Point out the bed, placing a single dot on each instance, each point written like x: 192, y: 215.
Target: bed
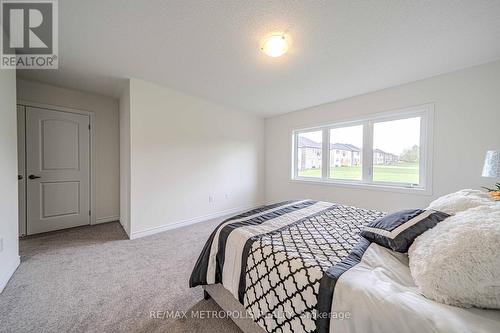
x: 301, y: 266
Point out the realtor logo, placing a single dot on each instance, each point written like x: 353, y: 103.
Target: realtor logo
x: 29, y: 38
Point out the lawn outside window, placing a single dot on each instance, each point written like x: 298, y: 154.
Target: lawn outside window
x: 390, y: 150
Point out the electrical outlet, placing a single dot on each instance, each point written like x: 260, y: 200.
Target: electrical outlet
x: 1, y: 244
x: 211, y: 199
x: 226, y: 196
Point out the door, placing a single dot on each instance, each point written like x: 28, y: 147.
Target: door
x: 57, y: 170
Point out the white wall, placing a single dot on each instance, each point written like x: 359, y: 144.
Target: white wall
x: 185, y: 149
x: 466, y: 124
x: 9, y: 254
x: 124, y: 107
x: 106, y: 138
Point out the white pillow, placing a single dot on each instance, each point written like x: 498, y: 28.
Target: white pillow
x: 458, y: 261
x: 459, y: 201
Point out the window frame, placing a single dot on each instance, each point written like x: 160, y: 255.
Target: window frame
x: 426, y: 114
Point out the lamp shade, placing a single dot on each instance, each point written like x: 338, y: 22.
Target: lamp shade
x: 491, y: 166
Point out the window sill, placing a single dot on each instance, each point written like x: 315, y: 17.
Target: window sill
x: 364, y: 186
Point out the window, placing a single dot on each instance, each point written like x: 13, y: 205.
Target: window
x: 346, y: 144
x: 309, y: 154
x: 396, y: 151
x: 388, y: 150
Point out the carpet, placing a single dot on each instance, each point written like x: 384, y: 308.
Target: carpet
x: 93, y: 279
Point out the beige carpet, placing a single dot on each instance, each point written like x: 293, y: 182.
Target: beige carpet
x: 93, y: 279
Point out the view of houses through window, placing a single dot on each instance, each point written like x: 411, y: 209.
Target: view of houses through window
x: 310, y: 154
x: 346, y: 144
x: 395, y: 152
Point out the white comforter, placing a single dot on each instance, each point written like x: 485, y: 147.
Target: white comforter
x: 380, y: 296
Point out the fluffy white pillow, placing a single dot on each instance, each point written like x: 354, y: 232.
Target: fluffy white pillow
x: 458, y: 261
x: 459, y: 201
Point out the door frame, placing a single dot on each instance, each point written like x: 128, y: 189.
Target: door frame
x: 91, y: 115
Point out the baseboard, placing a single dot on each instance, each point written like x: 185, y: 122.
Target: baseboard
x: 8, y: 272
x: 183, y: 223
x: 107, y: 219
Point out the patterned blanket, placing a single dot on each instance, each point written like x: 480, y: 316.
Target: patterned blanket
x: 282, y: 261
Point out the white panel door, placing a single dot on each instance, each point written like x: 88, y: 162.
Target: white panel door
x: 58, y: 170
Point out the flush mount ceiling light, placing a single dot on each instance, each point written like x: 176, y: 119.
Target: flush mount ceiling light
x: 275, y: 45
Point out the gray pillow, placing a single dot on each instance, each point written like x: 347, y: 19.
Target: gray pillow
x: 398, y: 230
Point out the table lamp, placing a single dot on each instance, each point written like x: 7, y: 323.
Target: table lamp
x: 491, y: 169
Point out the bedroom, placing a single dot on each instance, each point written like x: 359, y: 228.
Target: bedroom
x: 228, y: 166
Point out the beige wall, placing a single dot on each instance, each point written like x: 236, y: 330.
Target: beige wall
x: 185, y: 150
x: 9, y: 254
x: 106, y: 137
x: 466, y: 124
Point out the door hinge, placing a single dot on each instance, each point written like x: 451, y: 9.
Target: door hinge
x: 89, y: 213
x: 89, y: 127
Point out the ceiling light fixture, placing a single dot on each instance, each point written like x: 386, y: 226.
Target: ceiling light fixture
x: 275, y: 45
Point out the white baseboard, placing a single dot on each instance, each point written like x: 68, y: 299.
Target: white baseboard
x: 183, y: 223
x: 8, y: 272
x: 107, y: 219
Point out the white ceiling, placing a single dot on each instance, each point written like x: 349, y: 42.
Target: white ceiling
x: 211, y: 48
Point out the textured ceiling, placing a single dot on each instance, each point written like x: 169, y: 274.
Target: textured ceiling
x: 211, y: 48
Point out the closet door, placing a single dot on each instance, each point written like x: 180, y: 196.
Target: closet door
x: 57, y: 169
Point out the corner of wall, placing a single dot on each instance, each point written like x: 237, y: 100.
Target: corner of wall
x: 125, y: 226
x: 125, y: 174
x: 8, y: 271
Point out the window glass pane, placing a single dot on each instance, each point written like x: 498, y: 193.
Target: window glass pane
x: 346, y: 145
x: 309, y: 155
x: 396, y: 151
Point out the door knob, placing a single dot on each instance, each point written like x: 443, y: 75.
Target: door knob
x: 33, y: 177
x: 19, y: 177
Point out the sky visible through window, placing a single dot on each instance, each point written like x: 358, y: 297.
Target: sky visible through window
x: 397, y: 135
x: 315, y: 136
x: 352, y: 135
